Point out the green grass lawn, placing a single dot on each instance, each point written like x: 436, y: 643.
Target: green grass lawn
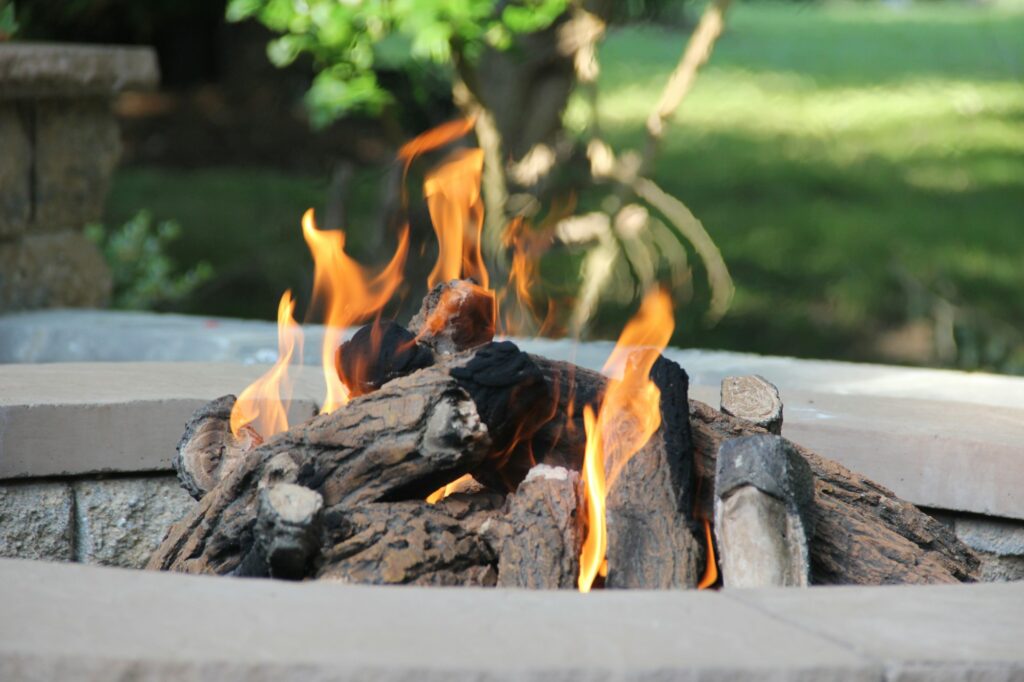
x: 860, y: 167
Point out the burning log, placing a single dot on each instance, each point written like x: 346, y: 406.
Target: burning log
x: 400, y: 442
x: 863, y: 533
x: 763, y: 496
x: 411, y: 543
x: 456, y: 315
x: 651, y: 543
x: 754, y: 399
x: 538, y: 539
x: 208, y: 451
x: 378, y: 353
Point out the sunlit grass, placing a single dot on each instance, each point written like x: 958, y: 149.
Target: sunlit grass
x: 829, y: 150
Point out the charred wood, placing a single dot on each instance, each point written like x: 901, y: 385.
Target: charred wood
x: 651, y: 539
x: 456, y: 316
x: 378, y: 353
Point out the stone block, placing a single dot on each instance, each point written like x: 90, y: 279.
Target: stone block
x: 15, y: 172
x: 120, y: 521
x: 30, y: 70
x: 77, y: 145
x: 58, y: 270
x: 104, y: 623
x: 36, y: 521
x: 1001, y: 537
x: 71, y: 419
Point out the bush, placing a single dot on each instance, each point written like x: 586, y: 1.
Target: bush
x: 145, y: 277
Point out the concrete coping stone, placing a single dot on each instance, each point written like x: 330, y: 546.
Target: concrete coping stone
x: 93, y: 622
x: 84, y: 418
x: 34, y: 70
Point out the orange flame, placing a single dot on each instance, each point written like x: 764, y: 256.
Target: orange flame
x: 628, y: 417
x: 711, y: 566
x: 263, y: 405
x: 456, y: 209
x: 446, y: 490
x: 434, y: 138
x: 348, y: 294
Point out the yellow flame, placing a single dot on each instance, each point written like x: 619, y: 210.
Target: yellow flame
x: 348, y: 294
x: 452, y: 191
x: 596, y: 544
x: 628, y: 416
x: 263, y: 405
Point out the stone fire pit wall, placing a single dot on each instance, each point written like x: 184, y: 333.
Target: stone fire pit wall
x: 59, y: 145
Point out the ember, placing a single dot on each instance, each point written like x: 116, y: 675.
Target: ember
x: 443, y: 457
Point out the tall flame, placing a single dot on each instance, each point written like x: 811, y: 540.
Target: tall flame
x: 263, y: 405
x: 348, y: 294
x: 452, y: 191
x: 627, y: 418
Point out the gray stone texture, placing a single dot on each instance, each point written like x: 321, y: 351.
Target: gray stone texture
x: 34, y: 70
x: 15, y: 171
x: 52, y: 270
x: 86, y: 622
x: 77, y: 146
x: 940, y: 632
x: 120, y: 521
x: 36, y: 521
x: 72, y: 419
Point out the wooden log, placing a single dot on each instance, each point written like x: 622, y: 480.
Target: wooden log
x: 651, y: 539
x: 287, y: 533
x: 400, y: 442
x: 208, y: 451
x: 376, y: 354
x: 410, y: 543
x: 538, y: 539
x: 763, y: 496
x: 754, y: 399
x: 863, y: 534
x: 456, y: 316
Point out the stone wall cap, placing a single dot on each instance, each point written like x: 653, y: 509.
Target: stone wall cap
x: 29, y: 70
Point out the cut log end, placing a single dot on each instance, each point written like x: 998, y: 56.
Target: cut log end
x: 754, y: 399
x: 208, y: 452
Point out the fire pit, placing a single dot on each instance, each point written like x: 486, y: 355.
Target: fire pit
x: 443, y: 457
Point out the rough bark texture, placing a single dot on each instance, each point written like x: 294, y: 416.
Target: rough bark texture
x: 411, y: 543
x: 208, y: 451
x: 651, y: 541
x: 538, y: 539
x: 863, y: 533
x: 401, y: 442
x: 755, y: 399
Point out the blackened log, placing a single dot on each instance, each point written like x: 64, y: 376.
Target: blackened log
x: 410, y: 543
x: 456, y: 316
x: 539, y: 537
x: 376, y: 354
x: 753, y: 398
x: 652, y: 542
x: 513, y: 400
x: 287, y: 531
x: 863, y: 533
